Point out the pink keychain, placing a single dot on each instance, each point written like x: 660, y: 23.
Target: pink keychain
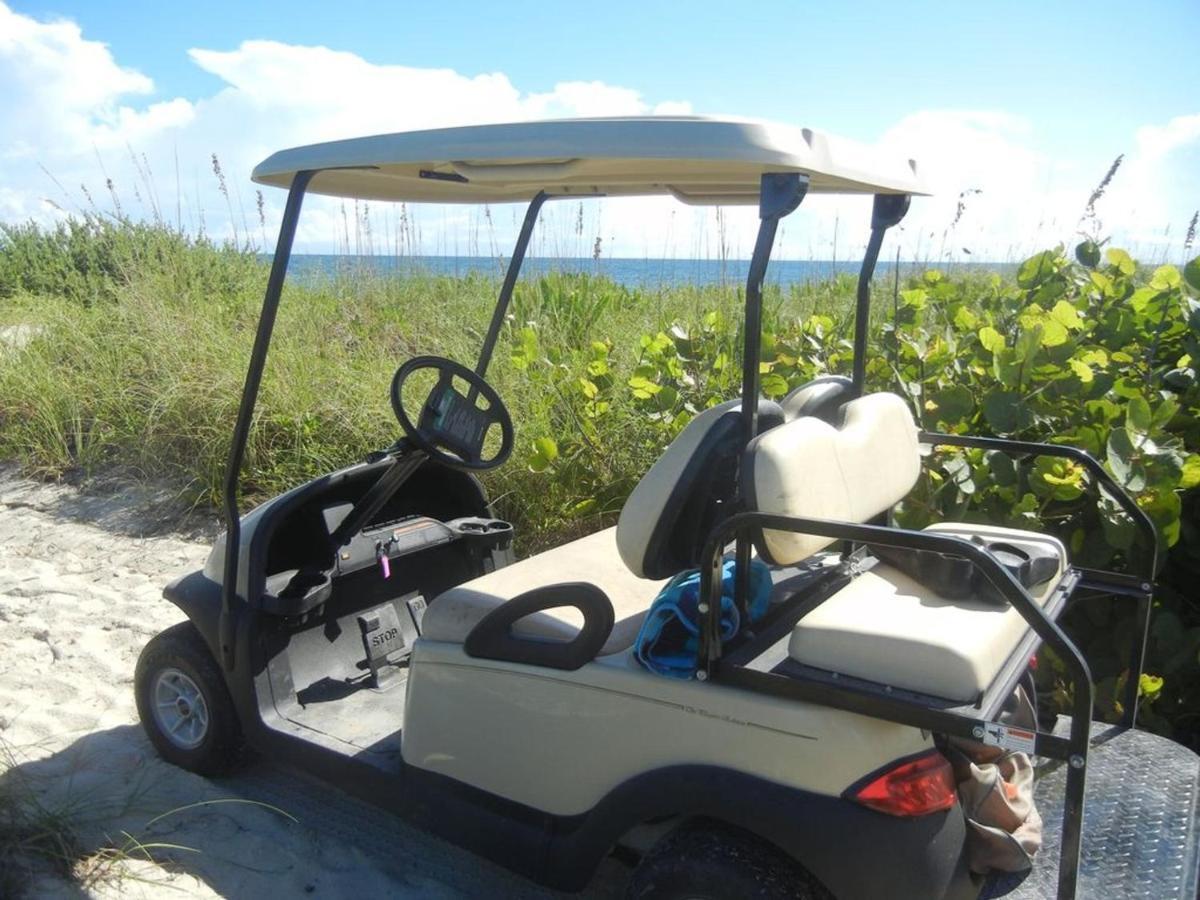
x: 386, y: 565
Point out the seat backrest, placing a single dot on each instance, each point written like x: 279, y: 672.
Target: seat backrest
x: 812, y: 469
x: 687, y: 491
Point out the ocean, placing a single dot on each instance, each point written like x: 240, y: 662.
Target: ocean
x: 633, y: 273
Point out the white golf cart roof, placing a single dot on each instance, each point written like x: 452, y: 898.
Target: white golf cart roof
x: 695, y: 159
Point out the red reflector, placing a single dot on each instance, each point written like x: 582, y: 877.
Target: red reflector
x: 915, y: 788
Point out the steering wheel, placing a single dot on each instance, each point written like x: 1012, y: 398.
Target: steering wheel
x: 452, y: 428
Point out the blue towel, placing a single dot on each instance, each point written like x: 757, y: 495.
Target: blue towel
x: 669, y: 640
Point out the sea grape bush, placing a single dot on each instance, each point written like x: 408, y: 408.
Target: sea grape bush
x: 1089, y: 350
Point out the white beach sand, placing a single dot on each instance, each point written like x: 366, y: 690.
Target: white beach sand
x: 80, y: 593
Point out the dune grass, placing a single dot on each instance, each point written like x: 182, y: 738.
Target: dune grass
x: 139, y: 368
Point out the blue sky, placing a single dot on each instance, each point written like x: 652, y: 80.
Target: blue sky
x: 1029, y: 102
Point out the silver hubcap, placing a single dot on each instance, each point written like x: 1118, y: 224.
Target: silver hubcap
x: 179, y: 709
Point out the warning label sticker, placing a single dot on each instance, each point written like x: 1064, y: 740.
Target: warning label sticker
x: 1009, y: 738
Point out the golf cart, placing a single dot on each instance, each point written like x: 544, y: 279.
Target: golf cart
x: 373, y: 627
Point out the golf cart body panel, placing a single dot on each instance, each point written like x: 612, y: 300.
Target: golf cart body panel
x: 692, y: 158
x: 611, y: 720
x: 366, y: 627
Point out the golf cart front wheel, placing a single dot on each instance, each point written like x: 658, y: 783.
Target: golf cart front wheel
x: 184, y: 704
x: 710, y: 861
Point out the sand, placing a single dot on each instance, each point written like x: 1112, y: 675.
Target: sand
x: 81, y: 576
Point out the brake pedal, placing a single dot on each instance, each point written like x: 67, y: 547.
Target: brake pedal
x: 385, y: 632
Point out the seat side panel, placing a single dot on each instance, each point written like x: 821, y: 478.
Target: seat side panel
x: 560, y: 741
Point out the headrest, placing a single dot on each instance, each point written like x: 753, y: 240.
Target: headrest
x: 687, y: 491
x: 811, y: 469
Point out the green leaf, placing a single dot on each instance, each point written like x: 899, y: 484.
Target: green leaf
x: 1028, y: 343
x: 1036, y: 269
x: 1004, y: 470
x: 1138, y: 417
x: 774, y: 385
x: 1165, y: 278
x: 1142, y: 298
x: 992, y: 340
x: 1124, y: 460
x: 954, y: 404
x: 545, y: 451
x: 1066, y: 315
x: 1054, y: 334
x: 1120, y: 260
x: 1082, y: 370
x: 643, y: 388
x: 1149, y: 686
x: 1164, y: 413
x: 1191, y: 472
x: 1058, y: 478
x: 1006, y: 412
x: 959, y: 471
x: 583, y: 507
x: 1191, y: 273
x: 1088, y: 254
x: 964, y: 319
x: 1007, y: 368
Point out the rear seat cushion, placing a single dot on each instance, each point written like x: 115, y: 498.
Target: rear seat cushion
x: 593, y: 559
x: 811, y: 469
x: 887, y: 628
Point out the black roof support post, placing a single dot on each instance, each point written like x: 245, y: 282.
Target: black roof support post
x: 780, y: 193
x: 888, y: 210
x: 241, y: 431
x: 510, y: 281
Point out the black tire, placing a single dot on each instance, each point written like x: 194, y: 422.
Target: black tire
x: 711, y: 861
x: 180, y: 649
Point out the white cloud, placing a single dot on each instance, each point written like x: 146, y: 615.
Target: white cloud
x: 70, y: 108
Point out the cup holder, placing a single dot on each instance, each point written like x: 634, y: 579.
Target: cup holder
x: 489, y: 533
x: 295, y: 592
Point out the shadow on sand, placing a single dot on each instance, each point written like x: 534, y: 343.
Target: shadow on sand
x: 265, y: 831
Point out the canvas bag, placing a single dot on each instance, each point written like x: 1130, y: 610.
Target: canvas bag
x: 995, y: 789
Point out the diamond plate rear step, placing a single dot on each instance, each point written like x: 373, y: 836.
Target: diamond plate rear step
x: 1140, y: 826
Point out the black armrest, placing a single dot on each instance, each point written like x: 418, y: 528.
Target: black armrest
x: 492, y: 637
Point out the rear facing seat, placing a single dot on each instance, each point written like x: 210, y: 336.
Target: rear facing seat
x: 883, y: 626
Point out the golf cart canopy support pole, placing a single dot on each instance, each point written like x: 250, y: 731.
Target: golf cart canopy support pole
x: 241, y: 431
x: 779, y: 195
x: 510, y: 281
x: 888, y: 210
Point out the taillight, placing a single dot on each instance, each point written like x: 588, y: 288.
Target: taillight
x: 916, y: 787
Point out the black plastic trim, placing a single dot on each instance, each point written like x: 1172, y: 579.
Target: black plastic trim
x: 492, y: 637
x: 829, y: 836
x: 199, y: 598
x: 827, y: 405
